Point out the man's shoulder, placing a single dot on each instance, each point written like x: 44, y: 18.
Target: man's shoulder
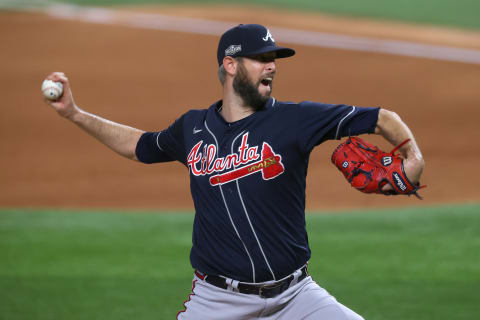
x: 196, y: 112
x: 295, y: 105
x: 292, y: 104
x: 193, y: 117
x: 200, y: 112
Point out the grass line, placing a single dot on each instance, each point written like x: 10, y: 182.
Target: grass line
x: 459, y: 13
x: 414, y: 263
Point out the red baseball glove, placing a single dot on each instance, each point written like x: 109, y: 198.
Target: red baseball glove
x: 369, y: 169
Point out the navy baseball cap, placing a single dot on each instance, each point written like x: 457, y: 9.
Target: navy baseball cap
x: 249, y: 39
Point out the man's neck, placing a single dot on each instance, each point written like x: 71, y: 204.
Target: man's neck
x: 233, y: 108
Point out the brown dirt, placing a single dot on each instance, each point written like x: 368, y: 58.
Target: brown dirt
x: 146, y: 78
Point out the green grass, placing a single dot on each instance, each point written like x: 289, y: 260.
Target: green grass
x: 456, y: 13
x: 399, y: 264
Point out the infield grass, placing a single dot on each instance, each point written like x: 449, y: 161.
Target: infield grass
x: 418, y: 263
x: 454, y: 13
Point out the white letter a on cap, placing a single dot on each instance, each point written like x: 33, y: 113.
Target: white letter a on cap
x: 269, y: 35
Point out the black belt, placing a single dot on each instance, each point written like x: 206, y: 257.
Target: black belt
x: 264, y: 291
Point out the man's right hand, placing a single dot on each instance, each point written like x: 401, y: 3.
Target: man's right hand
x: 65, y: 106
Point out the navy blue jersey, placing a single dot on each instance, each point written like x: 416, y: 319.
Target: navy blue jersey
x: 247, y: 180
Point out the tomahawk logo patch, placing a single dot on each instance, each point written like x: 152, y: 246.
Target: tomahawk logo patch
x: 238, y: 165
x: 399, y: 181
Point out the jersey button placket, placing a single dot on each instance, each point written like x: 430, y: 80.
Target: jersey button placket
x: 231, y: 197
x: 224, y: 147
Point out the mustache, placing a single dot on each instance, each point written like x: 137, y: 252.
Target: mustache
x: 269, y: 75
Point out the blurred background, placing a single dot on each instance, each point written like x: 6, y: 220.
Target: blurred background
x: 144, y: 63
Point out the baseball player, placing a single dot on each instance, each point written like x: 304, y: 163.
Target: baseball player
x: 247, y: 156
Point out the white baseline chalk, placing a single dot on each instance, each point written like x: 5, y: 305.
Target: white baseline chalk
x: 308, y: 38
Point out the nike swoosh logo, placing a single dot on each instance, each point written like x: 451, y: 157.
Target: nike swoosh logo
x: 195, y: 130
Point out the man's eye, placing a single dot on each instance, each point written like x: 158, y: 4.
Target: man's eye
x: 265, y: 59
x: 262, y: 58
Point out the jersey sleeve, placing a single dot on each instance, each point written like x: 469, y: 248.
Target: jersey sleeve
x: 320, y: 122
x: 162, y: 146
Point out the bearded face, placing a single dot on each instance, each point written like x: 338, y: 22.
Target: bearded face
x: 248, y: 90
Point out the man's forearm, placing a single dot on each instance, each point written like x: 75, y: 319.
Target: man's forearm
x: 394, y: 130
x: 120, y: 138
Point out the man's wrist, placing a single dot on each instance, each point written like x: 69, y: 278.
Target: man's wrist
x: 413, y: 168
x: 75, y: 115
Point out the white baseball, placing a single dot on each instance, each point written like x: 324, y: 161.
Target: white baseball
x: 52, y: 90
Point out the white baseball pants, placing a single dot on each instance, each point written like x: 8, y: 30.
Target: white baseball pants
x: 305, y: 300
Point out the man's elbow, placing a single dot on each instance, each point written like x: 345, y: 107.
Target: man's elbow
x: 385, y: 119
x: 414, y: 168
x: 132, y: 157
x: 132, y: 149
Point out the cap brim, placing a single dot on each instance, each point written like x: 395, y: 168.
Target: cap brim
x: 280, y: 51
x: 285, y: 52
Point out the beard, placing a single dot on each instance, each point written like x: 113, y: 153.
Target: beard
x: 248, y: 90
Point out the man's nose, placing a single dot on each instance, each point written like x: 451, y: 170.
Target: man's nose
x: 270, y: 66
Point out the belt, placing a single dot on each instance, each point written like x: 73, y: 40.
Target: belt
x: 265, y: 291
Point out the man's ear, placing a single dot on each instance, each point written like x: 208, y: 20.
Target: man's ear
x: 230, y: 65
